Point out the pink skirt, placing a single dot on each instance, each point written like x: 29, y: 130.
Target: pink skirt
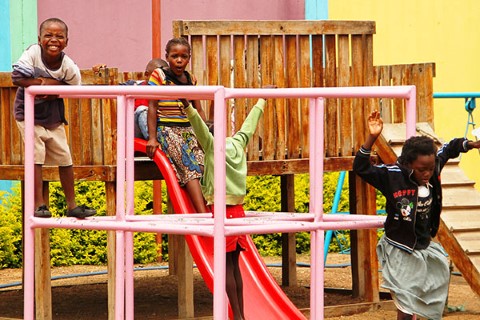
x: 234, y: 211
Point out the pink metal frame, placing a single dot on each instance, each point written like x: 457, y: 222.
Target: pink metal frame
x: 124, y: 223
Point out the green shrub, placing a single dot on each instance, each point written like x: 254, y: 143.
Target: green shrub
x: 73, y: 246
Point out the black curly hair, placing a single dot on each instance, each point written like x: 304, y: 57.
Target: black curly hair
x: 177, y: 41
x: 416, y: 146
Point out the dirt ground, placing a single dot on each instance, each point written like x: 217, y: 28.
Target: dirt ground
x: 84, y: 296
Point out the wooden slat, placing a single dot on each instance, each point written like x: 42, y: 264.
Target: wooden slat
x: 240, y: 77
x: 359, y: 114
x: 269, y: 137
x: 386, y: 103
x: 293, y: 115
x: 345, y: 125
x: 305, y: 82
x: 331, y: 113
x: 253, y: 81
x: 279, y: 105
x: 289, y: 27
x: 317, y: 62
x: 461, y: 219
x: 398, y: 104
x: 86, y: 142
x: 225, y: 72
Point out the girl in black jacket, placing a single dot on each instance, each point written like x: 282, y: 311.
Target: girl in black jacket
x: 414, y: 268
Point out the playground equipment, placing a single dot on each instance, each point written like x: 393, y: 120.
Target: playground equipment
x: 314, y: 222
x: 341, y: 55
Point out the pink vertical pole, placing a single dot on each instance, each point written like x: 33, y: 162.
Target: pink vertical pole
x: 29, y: 245
x: 313, y: 201
x: 320, y: 112
x: 120, y: 211
x: 219, y: 260
x: 411, y: 111
x: 129, y: 274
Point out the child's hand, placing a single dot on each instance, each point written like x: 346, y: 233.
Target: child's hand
x: 474, y: 144
x: 152, y: 146
x: 375, y: 123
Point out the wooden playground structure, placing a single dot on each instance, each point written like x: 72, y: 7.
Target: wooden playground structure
x: 248, y: 54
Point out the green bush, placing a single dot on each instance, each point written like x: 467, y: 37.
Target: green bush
x: 73, y: 246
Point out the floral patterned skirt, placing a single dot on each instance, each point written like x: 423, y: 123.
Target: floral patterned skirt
x: 182, y: 149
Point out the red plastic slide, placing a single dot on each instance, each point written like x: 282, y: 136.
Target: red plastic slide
x: 263, y: 297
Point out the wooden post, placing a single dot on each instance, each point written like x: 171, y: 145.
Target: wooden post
x: 43, y: 287
x: 185, y: 279
x: 110, y: 191
x: 289, y: 254
x: 157, y: 209
x: 363, y: 242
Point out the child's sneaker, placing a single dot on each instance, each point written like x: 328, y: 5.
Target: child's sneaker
x: 42, y: 212
x: 81, y: 212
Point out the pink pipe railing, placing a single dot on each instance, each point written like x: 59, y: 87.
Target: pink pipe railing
x: 124, y: 222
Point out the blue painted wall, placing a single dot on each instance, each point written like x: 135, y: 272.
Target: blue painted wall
x: 5, y: 41
x: 316, y: 9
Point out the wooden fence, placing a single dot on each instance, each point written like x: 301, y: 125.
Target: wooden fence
x: 300, y: 54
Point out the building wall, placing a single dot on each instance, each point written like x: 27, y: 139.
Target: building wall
x: 440, y: 31
x: 118, y: 33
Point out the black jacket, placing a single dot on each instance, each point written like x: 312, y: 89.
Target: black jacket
x: 395, y: 182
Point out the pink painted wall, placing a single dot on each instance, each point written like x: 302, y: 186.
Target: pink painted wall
x: 118, y: 32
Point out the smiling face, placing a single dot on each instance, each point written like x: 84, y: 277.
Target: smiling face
x: 53, y: 39
x: 178, y: 57
x: 423, y: 168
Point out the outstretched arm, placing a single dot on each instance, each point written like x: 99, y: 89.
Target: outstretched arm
x: 375, y: 126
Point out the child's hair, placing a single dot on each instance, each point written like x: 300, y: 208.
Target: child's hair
x: 54, y: 20
x: 177, y: 41
x: 416, y: 146
x: 154, y: 64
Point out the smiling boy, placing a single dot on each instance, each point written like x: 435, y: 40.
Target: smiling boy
x: 45, y: 63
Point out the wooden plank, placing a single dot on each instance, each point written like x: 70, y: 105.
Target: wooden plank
x: 398, y: 104
x: 461, y: 219
x: 289, y: 257
x: 465, y: 197
x: 469, y: 241
x: 359, y: 114
x: 279, y: 107
x: 265, y: 27
x: 385, y: 103
x: 293, y: 114
x: 212, y: 60
x: 197, y: 68
x: 225, y: 72
x: 240, y: 78
x: 305, y: 82
x: 345, y: 107
x: 268, y: 123
x: 331, y: 112
x: 87, y: 142
x: 295, y: 166
x: 252, y: 81
x: 317, y: 61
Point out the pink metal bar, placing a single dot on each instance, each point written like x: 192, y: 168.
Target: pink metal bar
x: 29, y: 255
x: 315, y: 222
x: 220, y: 309
x: 411, y: 112
x: 130, y: 204
x: 404, y: 92
x: 120, y: 210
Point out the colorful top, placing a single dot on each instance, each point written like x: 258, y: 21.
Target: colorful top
x: 48, y: 113
x: 170, y: 112
x: 236, y: 158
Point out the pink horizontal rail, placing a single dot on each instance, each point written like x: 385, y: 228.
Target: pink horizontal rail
x: 123, y: 225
